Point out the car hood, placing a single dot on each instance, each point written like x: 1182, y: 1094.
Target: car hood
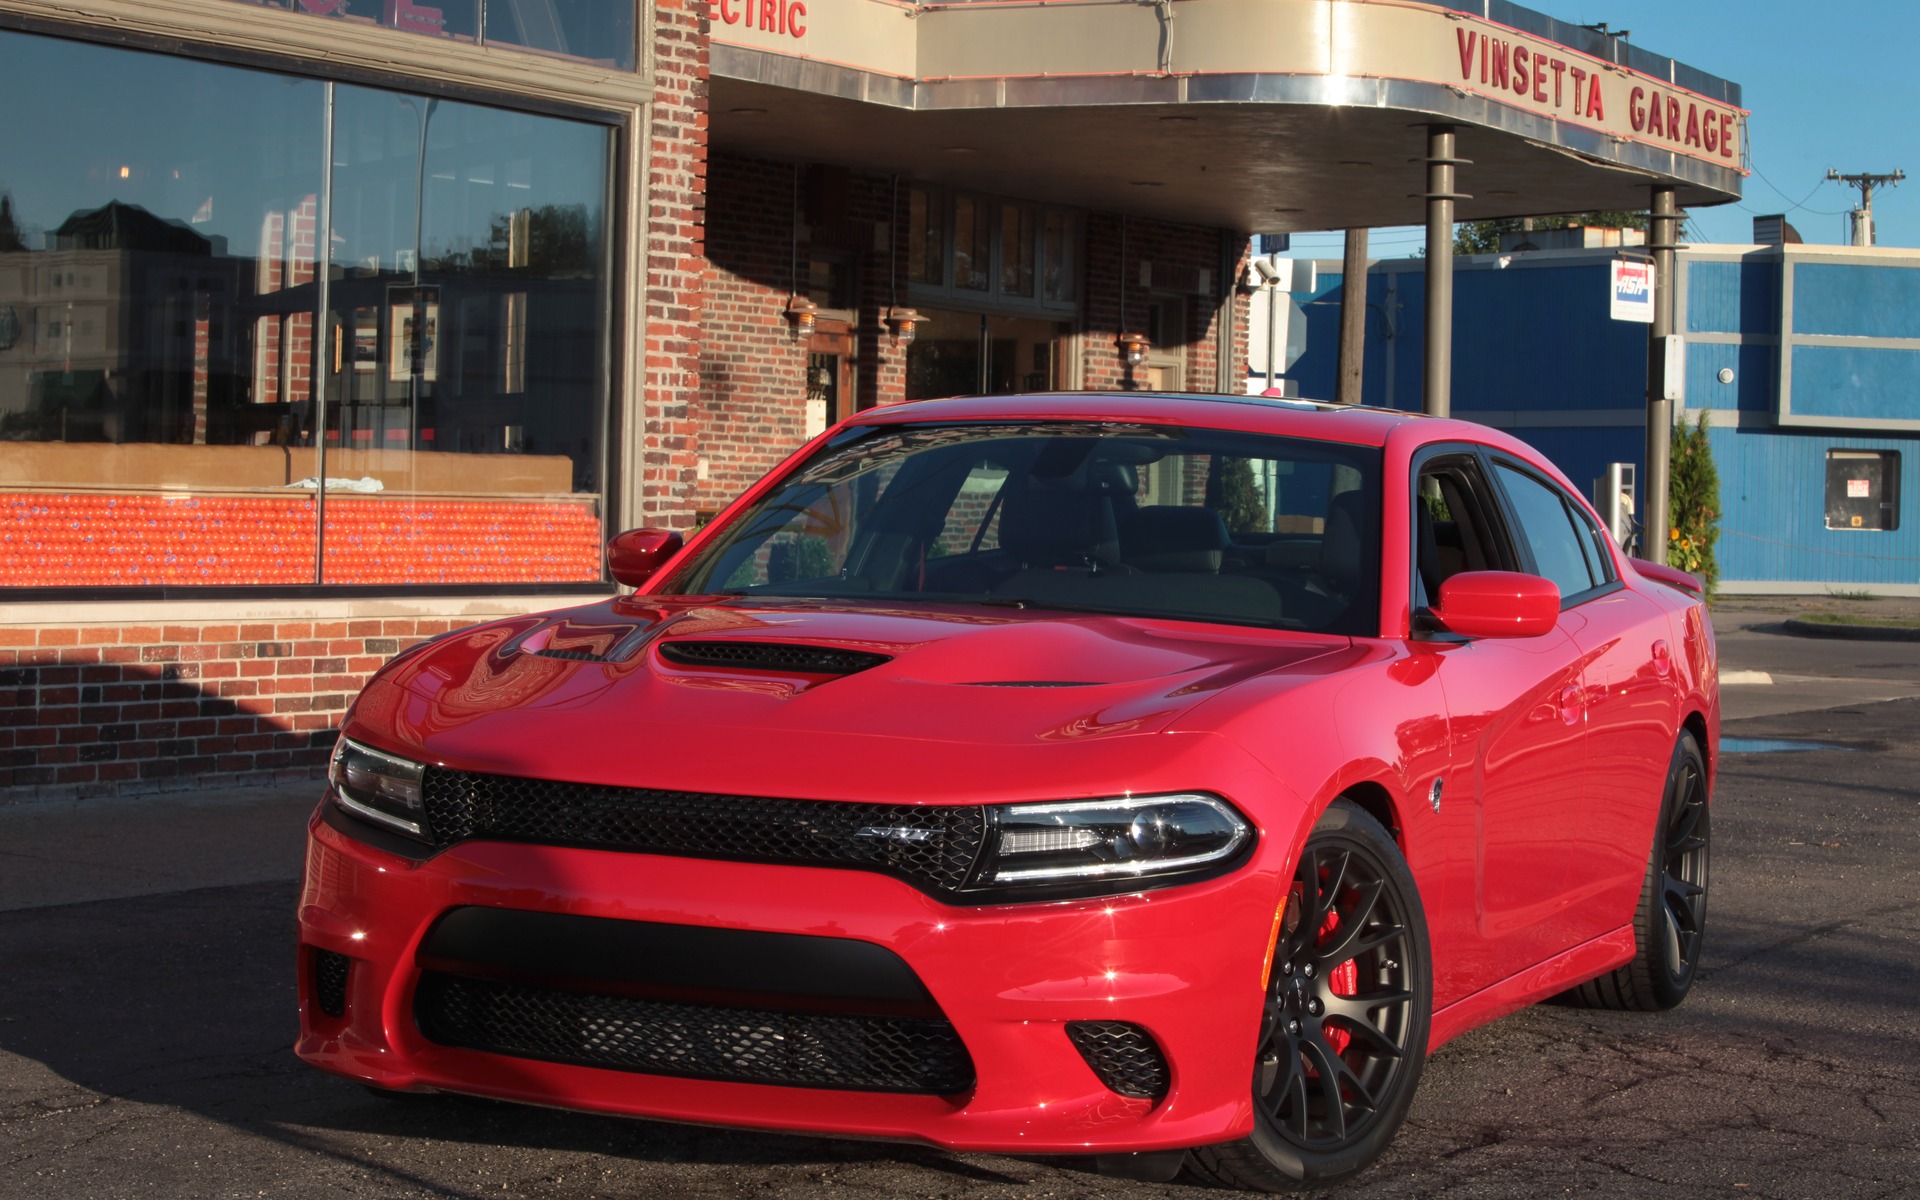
x: 587, y: 693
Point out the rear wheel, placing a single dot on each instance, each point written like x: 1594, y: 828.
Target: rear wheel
x: 1671, y: 920
x: 1343, y: 1035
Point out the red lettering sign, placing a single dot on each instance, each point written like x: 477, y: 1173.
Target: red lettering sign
x: 1515, y: 67
x: 795, y: 11
x: 727, y: 14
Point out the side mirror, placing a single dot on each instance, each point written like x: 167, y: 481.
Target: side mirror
x: 633, y: 556
x: 1498, y: 604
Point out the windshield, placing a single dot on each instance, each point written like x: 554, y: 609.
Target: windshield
x: 1140, y: 520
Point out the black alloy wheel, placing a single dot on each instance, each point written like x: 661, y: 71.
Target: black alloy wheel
x: 1671, y: 922
x: 1343, y: 1035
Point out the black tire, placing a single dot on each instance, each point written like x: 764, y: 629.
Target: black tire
x: 1670, y: 923
x: 1343, y: 1037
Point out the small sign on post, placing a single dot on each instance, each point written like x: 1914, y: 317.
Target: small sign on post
x: 1631, y: 283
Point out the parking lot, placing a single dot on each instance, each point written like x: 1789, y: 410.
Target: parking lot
x: 146, y: 1009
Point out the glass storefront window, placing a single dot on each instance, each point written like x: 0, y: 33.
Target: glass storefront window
x: 959, y: 353
x: 204, y: 390
x: 971, y: 249
x: 1058, y: 255
x: 926, y: 237
x: 1016, y: 251
x: 972, y: 244
x: 596, y: 30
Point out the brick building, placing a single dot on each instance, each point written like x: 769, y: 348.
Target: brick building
x: 598, y: 264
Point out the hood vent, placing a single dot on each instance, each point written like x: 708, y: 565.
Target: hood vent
x: 770, y: 656
x: 571, y: 655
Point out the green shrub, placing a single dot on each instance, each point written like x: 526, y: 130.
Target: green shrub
x: 1693, y: 503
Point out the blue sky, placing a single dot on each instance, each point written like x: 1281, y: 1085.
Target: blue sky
x: 1833, y: 84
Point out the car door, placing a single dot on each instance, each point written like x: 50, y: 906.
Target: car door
x: 1629, y: 698
x: 1518, y: 747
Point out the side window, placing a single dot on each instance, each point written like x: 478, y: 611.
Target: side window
x: 1454, y: 530
x: 1548, y: 528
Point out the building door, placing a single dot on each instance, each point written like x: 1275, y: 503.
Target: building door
x: 830, y: 391
x: 1165, y: 369
x: 962, y: 353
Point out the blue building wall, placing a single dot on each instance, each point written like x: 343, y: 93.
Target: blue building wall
x: 1846, y: 324
x: 1537, y: 353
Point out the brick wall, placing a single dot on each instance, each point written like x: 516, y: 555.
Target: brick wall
x: 99, y: 710
x: 671, y: 321
x: 751, y: 410
x: 1117, y: 299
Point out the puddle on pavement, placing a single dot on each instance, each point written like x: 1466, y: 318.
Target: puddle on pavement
x: 1734, y: 745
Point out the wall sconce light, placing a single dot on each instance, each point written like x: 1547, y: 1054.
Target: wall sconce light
x: 902, y: 321
x: 1133, y: 348
x: 802, y: 312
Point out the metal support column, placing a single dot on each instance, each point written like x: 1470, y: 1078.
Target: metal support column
x: 1662, y: 238
x: 1353, y: 316
x: 1437, y: 390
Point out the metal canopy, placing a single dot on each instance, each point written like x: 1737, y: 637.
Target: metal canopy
x: 1254, y: 167
x: 1256, y: 115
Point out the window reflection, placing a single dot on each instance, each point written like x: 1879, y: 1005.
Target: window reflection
x: 596, y: 30
x: 972, y: 244
x: 165, y: 347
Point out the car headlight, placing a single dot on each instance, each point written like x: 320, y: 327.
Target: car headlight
x: 378, y: 787
x: 1090, y: 846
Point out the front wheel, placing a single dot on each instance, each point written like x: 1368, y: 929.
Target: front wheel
x: 1343, y: 1035
x: 1671, y: 920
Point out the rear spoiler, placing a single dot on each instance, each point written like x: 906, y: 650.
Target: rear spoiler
x: 1671, y: 576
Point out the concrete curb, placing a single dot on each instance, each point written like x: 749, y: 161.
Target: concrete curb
x: 1859, y: 633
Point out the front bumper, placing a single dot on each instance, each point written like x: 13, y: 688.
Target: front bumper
x: 1183, y: 964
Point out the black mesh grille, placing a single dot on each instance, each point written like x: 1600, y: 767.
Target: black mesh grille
x: 629, y: 1033
x: 932, y: 847
x: 330, y: 982
x: 770, y: 656
x: 1124, y: 1056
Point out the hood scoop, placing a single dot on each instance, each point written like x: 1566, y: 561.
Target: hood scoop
x: 771, y: 656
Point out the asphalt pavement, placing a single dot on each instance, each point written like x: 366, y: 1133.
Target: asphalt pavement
x: 147, y: 1007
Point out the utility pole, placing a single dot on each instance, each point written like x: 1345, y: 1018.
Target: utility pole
x: 1860, y: 220
x: 1663, y: 227
x: 1353, y: 316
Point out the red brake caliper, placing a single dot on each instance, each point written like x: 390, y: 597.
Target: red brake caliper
x: 1343, y: 980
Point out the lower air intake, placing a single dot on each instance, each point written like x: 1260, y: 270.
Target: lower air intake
x: 330, y: 982
x: 699, y: 1041
x: 1124, y: 1056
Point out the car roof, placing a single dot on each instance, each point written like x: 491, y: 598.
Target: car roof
x: 1256, y: 414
